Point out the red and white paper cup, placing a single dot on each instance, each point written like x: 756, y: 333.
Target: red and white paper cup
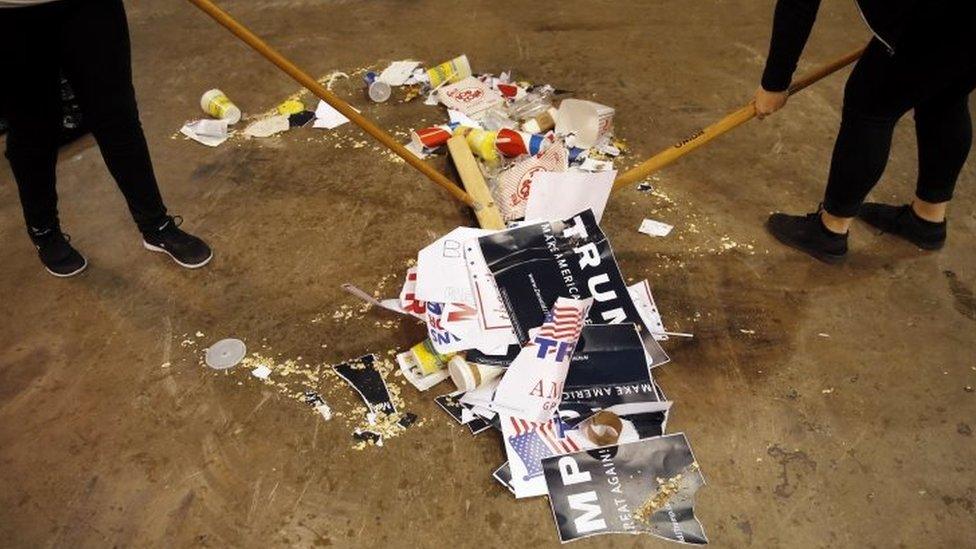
x: 433, y: 137
x: 512, y: 143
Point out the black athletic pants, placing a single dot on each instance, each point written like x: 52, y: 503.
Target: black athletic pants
x: 930, y: 74
x: 89, y: 41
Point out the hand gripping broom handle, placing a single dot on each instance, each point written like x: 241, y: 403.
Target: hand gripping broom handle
x: 319, y: 90
x: 730, y: 122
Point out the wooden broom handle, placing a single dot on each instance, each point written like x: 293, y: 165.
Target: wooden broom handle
x: 324, y: 94
x: 730, y: 122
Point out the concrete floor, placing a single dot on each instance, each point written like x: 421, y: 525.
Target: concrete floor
x: 828, y: 406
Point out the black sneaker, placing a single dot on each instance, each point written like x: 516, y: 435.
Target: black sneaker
x: 904, y: 222
x: 808, y: 234
x: 185, y: 249
x: 58, y: 256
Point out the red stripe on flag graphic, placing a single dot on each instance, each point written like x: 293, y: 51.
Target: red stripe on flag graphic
x: 548, y: 433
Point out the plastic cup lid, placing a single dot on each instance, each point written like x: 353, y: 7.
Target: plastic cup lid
x: 380, y: 91
x: 226, y: 353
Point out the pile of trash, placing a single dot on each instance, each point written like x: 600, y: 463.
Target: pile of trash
x: 520, y: 133
x: 534, y: 325
x: 547, y: 345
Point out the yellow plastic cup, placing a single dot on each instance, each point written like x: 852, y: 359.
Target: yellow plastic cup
x: 216, y: 104
x: 428, y: 358
x: 455, y: 70
x: 482, y: 144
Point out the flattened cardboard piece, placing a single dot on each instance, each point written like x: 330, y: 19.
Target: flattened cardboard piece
x: 534, y: 264
x: 504, y: 476
x: 640, y: 292
x: 477, y: 320
x: 442, y: 274
x: 526, y: 444
x: 609, y: 372
x: 639, y: 487
x: 532, y: 386
x: 367, y: 381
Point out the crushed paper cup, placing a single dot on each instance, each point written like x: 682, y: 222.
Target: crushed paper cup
x: 433, y: 137
x: 469, y: 376
x: 513, y: 143
x: 587, y: 121
x: 602, y: 428
x: 481, y: 142
x: 510, y: 91
x: 427, y: 359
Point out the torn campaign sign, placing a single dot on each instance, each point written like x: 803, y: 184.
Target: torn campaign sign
x: 609, y: 372
x: 526, y: 444
x: 534, y: 264
x: 367, y: 381
x: 532, y: 387
x: 442, y: 275
x: 639, y: 487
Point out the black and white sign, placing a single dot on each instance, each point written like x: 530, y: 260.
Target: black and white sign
x: 646, y: 486
x: 608, y: 372
x: 535, y: 264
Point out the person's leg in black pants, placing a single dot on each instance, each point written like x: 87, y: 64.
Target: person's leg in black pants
x: 94, y: 49
x: 944, y: 132
x: 32, y: 101
x: 881, y: 89
x: 89, y: 39
x: 878, y: 93
x: 32, y: 96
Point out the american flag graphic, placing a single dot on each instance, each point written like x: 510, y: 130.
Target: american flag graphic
x: 535, y: 441
x: 563, y: 322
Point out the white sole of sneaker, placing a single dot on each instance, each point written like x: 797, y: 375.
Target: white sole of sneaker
x: 152, y: 248
x: 72, y: 273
